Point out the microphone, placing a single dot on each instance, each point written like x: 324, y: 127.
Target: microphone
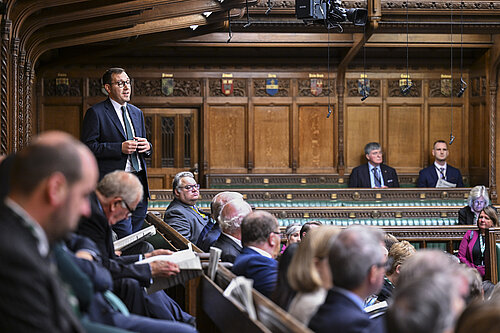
x: 329, y: 111
x: 463, y: 86
x: 452, y: 138
x: 365, y: 94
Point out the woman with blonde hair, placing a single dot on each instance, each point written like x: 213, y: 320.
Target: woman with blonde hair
x: 309, y: 273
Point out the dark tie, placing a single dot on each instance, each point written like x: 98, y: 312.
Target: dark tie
x: 441, y: 171
x: 130, y: 136
x: 376, y: 177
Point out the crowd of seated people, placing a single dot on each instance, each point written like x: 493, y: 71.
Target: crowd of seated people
x: 326, y: 277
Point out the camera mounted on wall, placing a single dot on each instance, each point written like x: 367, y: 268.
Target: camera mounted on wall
x: 329, y: 12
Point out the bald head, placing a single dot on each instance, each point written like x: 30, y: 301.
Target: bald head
x: 231, y: 216
x: 220, y: 199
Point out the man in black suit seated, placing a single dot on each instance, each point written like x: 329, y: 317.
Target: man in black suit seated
x: 373, y: 174
x: 429, y: 176
x: 50, y: 183
x: 182, y: 213
x: 230, y: 221
x: 358, y: 265
x: 115, y: 198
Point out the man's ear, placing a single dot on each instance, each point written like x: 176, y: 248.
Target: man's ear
x: 107, y: 87
x: 176, y: 192
x: 366, y: 155
x: 372, y: 274
x: 398, y: 267
x: 57, y: 188
x: 433, y: 154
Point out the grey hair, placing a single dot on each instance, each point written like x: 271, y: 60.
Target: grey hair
x: 232, y: 214
x: 353, y: 253
x: 476, y: 192
x: 220, y: 199
x: 424, y: 306
x: 372, y: 146
x: 121, y: 184
x: 178, y: 177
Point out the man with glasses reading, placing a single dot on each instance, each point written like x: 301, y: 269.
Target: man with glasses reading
x: 114, y: 131
x: 182, y: 213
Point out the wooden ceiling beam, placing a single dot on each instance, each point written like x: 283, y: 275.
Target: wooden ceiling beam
x: 140, y: 29
x: 158, y: 13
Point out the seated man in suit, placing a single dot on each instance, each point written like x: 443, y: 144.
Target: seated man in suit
x: 50, y: 183
x: 373, y: 174
x: 357, y: 263
x: 115, y: 198
x: 429, y: 176
x: 260, y: 235
x: 230, y: 221
x: 211, y: 232
x: 182, y: 213
x: 80, y: 266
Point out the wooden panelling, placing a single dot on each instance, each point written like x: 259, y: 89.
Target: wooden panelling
x: 404, y: 127
x: 227, y: 138
x: 478, y: 129
x: 272, y: 138
x: 66, y: 118
x: 362, y: 126
x: 439, y: 129
x: 316, y: 139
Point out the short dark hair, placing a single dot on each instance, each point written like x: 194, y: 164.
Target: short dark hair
x: 439, y: 141
x: 256, y: 227
x: 38, y: 161
x: 307, y: 226
x: 106, y: 77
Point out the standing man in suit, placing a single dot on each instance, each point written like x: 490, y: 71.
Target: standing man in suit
x: 357, y: 263
x: 373, y: 174
x: 260, y: 235
x: 50, y: 183
x: 114, y: 131
x: 230, y: 221
x: 429, y: 176
x: 182, y: 213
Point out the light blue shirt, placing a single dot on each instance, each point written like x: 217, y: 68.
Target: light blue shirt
x: 372, y: 177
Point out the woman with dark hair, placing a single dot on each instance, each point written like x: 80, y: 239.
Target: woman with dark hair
x: 283, y: 294
x: 473, y: 245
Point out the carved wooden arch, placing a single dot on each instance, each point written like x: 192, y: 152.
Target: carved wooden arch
x: 164, y: 19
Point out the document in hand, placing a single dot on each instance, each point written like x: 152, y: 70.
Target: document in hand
x: 189, y: 265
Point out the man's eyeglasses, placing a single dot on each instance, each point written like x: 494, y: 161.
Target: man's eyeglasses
x: 131, y: 211
x: 191, y: 187
x: 121, y: 84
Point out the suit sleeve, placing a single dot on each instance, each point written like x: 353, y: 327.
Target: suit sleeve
x: 421, y: 179
x: 353, y: 178
x: 460, y: 181
x: 396, y: 179
x: 143, y: 129
x: 177, y: 220
x: 119, y: 269
x: 462, y: 216
x: 91, y: 136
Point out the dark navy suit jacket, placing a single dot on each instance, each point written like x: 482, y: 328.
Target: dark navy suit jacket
x: 428, y: 177
x: 97, y: 228
x: 342, y: 315
x: 33, y: 298
x: 262, y: 270
x: 103, y: 133
x: 230, y: 250
x: 360, y: 176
